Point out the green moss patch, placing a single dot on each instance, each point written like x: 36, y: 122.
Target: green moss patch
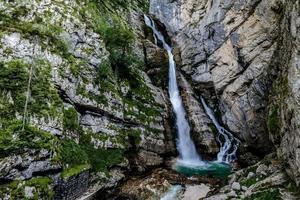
x: 73, y: 171
x: 273, y: 194
x: 44, y: 100
x: 15, y: 140
x: 70, y: 120
x: 77, y: 156
x: 101, y: 159
x: 72, y: 154
x: 41, y: 188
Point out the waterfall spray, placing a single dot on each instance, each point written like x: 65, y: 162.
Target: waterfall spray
x: 185, y: 145
x: 230, y: 145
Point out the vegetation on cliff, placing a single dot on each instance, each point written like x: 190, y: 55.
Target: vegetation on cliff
x: 52, y: 121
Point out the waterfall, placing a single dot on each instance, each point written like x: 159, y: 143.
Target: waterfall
x: 230, y: 144
x: 185, y: 145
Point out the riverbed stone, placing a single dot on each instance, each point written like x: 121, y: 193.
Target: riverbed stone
x: 236, y: 186
x: 195, y: 192
x: 262, y: 169
x: 251, y: 175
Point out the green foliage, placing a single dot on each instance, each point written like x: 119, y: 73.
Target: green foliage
x: 146, y: 114
x: 112, y: 6
x: 42, y: 187
x: 14, y: 140
x: 13, y: 78
x: 292, y: 187
x: 101, y: 159
x: 273, y: 194
x: 131, y: 135
x: 20, y: 11
x: 104, y: 71
x: 72, y: 154
x: 43, y: 92
x: 118, y: 38
x: 70, y: 120
x: 73, y: 171
x: 44, y: 31
x: 76, y: 157
x: 16, y: 189
x: 251, y: 181
x: 116, y: 35
x: 135, y: 135
x: 100, y: 98
x: 44, y: 99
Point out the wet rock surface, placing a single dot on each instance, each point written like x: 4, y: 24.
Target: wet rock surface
x: 202, y: 133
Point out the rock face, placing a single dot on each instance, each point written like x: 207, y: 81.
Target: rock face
x: 226, y: 50
x: 284, y: 108
x: 80, y: 69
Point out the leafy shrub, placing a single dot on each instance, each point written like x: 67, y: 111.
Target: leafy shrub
x: 72, y: 154
x: 44, y: 99
x: 15, y: 140
x: 100, y: 159
x: 13, y: 77
x: 70, y: 121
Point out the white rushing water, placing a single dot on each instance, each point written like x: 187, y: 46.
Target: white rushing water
x: 185, y: 145
x: 229, y: 144
x: 172, y: 193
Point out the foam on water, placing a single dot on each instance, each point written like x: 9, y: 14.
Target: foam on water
x: 229, y: 144
x: 172, y: 193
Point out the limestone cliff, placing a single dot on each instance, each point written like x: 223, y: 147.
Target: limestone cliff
x: 226, y: 49
x: 75, y: 98
x: 283, y: 110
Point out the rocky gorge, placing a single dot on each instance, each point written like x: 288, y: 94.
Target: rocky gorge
x: 84, y: 105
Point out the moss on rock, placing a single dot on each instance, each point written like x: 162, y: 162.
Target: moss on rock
x: 15, y: 140
x: 41, y: 188
x: 273, y: 194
